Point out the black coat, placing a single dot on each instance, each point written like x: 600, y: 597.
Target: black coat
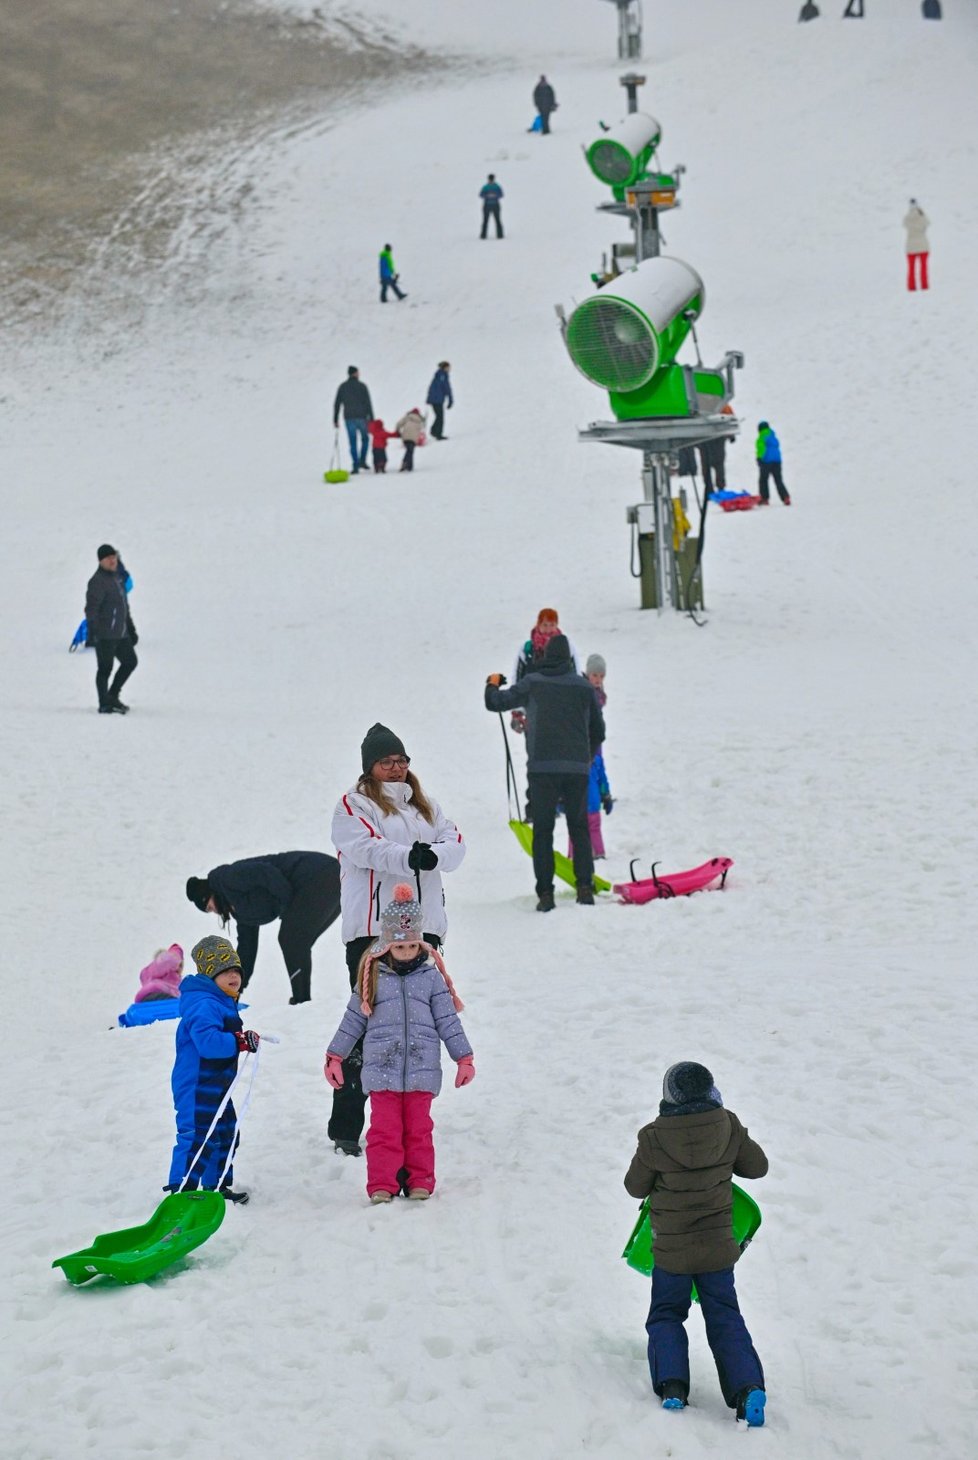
x: 259, y: 889
x: 543, y: 97
x: 564, y: 723
x: 354, y: 397
x: 106, y: 607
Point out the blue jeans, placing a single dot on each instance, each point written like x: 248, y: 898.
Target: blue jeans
x: 738, y: 1366
x: 355, y: 429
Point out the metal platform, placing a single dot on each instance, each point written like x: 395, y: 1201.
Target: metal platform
x: 666, y: 435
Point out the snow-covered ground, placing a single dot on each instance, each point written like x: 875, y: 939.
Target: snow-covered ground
x: 820, y: 730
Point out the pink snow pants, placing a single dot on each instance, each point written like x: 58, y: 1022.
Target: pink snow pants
x: 597, y: 840
x: 400, y: 1136
x: 912, y: 259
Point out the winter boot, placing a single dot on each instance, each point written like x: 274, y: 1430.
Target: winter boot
x: 585, y: 894
x: 418, y: 1193
x: 379, y: 1197
x: 545, y: 902
x: 111, y: 708
x: 238, y: 1197
x: 750, y: 1406
x: 674, y: 1393
x: 347, y: 1148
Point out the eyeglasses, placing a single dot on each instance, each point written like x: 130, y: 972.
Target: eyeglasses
x: 390, y: 761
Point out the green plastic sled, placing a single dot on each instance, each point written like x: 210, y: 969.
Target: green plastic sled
x: 563, y: 866
x: 639, y: 1253
x: 181, y: 1222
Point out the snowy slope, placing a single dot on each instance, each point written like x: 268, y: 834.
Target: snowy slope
x: 820, y: 730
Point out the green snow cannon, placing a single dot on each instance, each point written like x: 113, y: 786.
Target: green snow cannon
x: 626, y: 336
x: 621, y: 155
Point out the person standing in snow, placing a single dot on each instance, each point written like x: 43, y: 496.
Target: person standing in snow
x: 410, y: 428
x: 564, y: 732
x: 388, y: 274
x: 384, y: 830
x: 767, y: 449
x: 684, y: 1164
x: 531, y: 657
x: 354, y: 399
x: 209, y: 1038
x: 545, y: 102
x: 379, y: 437
x: 916, y: 222
x: 301, y: 888
x: 110, y: 630
x: 599, y: 797
x: 403, y: 1008
x: 439, y: 396
x: 492, y: 196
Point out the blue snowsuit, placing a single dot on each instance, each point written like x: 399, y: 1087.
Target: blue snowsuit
x: 206, y: 1063
x: 597, y: 786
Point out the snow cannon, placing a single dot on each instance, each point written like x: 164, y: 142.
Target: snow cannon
x: 621, y: 155
x: 625, y: 338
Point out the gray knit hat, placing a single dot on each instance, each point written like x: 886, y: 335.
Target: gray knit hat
x: 402, y: 919
x: 688, y: 1081
x: 214, y: 955
x: 595, y: 664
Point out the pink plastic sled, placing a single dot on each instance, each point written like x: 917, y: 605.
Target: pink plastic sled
x: 678, y: 884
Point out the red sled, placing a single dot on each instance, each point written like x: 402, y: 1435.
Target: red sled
x: 740, y: 504
x: 678, y: 884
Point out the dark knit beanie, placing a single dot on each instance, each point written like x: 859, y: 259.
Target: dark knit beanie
x: 558, y: 649
x: 199, y: 892
x: 687, y: 1082
x: 106, y: 550
x: 378, y: 743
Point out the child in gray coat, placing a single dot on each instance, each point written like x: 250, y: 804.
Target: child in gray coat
x: 403, y: 1008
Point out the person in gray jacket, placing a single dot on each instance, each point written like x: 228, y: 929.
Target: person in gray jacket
x: 916, y: 223
x: 564, y: 732
x: 354, y: 398
x: 110, y: 630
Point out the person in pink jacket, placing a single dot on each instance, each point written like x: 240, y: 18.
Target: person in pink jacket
x: 160, y: 979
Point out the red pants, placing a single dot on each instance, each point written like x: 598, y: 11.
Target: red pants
x: 912, y: 259
x: 597, y: 839
x: 400, y: 1136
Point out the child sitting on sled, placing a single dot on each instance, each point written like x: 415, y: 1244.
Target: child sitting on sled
x: 160, y: 979
x: 403, y: 1007
x: 209, y: 1039
x: 379, y: 437
x: 684, y: 1164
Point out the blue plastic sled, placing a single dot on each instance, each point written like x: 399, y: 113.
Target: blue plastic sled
x: 537, y: 123
x: 80, y: 641
x: 150, y: 1010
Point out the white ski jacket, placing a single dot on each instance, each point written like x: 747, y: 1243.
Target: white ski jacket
x: 916, y: 223
x: 373, y: 850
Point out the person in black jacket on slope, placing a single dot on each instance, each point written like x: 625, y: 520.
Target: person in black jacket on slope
x: 354, y: 397
x: 110, y: 630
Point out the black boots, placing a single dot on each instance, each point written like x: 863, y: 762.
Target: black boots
x: 585, y: 894
x: 545, y: 901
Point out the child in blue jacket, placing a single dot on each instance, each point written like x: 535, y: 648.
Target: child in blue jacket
x: 767, y: 449
x: 209, y: 1039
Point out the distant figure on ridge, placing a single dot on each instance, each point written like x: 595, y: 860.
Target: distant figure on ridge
x: 492, y: 195
x: 388, y: 274
x: 916, y: 223
x: 545, y: 102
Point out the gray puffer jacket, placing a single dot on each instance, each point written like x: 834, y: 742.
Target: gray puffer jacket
x: 413, y: 1013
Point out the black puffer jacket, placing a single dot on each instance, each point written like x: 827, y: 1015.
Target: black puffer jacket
x: 354, y: 397
x: 543, y: 97
x: 258, y: 890
x: 106, y: 607
x: 564, y: 723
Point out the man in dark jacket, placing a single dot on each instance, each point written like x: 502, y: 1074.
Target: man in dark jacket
x: 301, y: 888
x: 354, y: 397
x: 564, y: 732
x: 440, y: 396
x: 492, y: 195
x: 110, y: 630
x: 545, y: 102
x: 684, y: 1164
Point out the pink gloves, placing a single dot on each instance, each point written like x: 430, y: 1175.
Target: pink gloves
x: 465, y: 1073
x: 333, y: 1070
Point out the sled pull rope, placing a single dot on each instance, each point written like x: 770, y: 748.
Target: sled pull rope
x: 512, y: 787
x: 220, y: 1111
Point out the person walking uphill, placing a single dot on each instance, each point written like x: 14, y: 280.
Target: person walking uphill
x: 492, y: 195
x: 545, y: 102
x: 439, y: 396
x: 684, y: 1163
x: 301, y: 888
x: 385, y: 830
x: 767, y: 449
x: 354, y: 399
x: 209, y: 1038
x: 916, y: 222
x: 403, y: 1008
x: 564, y: 732
x: 110, y: 630
x: 388, y: 274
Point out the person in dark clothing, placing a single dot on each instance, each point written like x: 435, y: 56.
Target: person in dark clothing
x: 713, y: 456
x: 301, y: 888
x: 564, y: 732
x: 110, y: 630
x: 492, y: 195
x: 439, y: 396
x: 354, y: 397
x: 684, y: 1163
x: 545, y: 102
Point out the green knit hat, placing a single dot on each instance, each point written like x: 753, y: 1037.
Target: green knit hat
x: 214, y: 955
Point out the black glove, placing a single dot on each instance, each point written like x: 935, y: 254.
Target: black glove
x: 421, y: 858
x: 608, y: 804
x: 133, y: 636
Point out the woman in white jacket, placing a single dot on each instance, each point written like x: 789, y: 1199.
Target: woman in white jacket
x: 385, y: 830
x: 916, y: 223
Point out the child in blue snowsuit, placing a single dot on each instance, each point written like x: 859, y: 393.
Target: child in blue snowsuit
x: 209, y: 1039
x: 684, y: 1164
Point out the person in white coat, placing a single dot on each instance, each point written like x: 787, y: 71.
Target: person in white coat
x: 385, y: 831
x: 916, y: 223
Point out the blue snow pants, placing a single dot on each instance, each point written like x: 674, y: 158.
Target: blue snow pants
x: 355, y: 429
x: 209, y: 1165
x: 738, y: 1366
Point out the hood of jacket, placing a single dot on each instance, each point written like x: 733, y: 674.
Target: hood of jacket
x: 196, y: 987
x: 694, y: 1141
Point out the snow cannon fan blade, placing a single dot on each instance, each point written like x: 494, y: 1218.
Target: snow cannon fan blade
x: 620, y: 156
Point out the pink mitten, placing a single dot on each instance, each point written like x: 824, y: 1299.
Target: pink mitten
x: 465, y: 1073
x: 333, y: 1070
